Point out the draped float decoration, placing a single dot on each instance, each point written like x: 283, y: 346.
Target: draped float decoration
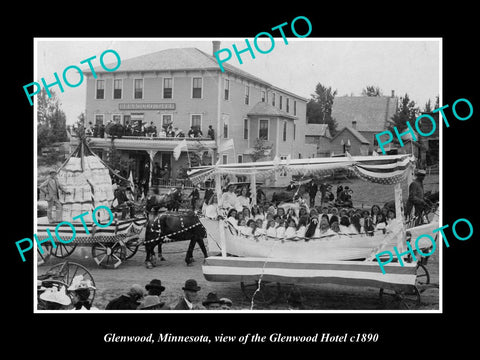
x: 388, y: 169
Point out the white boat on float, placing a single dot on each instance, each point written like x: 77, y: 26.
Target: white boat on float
x: 331, y: 247
x: 387, y: 170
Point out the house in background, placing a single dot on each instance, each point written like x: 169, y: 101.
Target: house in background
x: 368, y: 115
x: 349, y: 140
x: 319, y: 134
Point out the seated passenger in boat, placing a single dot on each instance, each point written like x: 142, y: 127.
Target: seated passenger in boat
x: 344, y: 225
x: 334, y: 225
x: 250, y: 227
x: 291, y: 214
x: 268, y: 218
x: 272, y: 228
x: 246, y: 213
x: 374, y: 213
x: 257, y: 212
x: 242, y: 227
x: 232, y: 217
x: 281, y: 229
x: 260, y: 228
x: 291, y: 230
x: 302, y: 226
x: 229, y: 198
x: 243, y: 200
x: 324, y: 228
x: 281, y: 212
x: 355, y: 226
x: 302, y: 212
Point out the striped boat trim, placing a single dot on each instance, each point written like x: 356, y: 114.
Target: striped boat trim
x: 346, y: 273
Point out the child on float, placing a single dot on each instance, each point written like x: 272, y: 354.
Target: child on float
x: 291, y: 230
x: 250, y: 228
x: 260, y: 229
x: 281, y: 229
x: 232, y: 217
x: 272, y: 228
x: 242, y: 227
x: 302, y: 226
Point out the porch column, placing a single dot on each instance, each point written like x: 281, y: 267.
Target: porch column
x: 151, y: 154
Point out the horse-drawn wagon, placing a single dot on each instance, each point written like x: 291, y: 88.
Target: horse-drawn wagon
x: 87, y: 186
x: 262, y: 263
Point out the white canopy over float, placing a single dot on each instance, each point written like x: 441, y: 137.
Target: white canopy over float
x: 386, y: 170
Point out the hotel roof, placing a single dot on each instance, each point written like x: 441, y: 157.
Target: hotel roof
x: 181, y: 59
x: 264, y: 109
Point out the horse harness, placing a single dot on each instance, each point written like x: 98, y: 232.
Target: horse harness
x: 160, y: 237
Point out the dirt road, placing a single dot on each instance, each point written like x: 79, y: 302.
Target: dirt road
x: 173, y: 272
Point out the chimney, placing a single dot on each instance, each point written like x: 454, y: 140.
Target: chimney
x: 393, y: 93
x: 216, y: 47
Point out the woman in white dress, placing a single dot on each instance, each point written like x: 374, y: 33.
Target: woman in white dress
x: 243, y: 200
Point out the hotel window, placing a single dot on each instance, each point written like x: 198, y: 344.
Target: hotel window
x: 138, y: 89
x: 239, y: 159
x: 98, y: 119
x: 284, y: 131
x: 273, y: 99
x: 196, y: 121
x: 263, y: 129
x: 225, y: 130
x: 299, y: 155
x: 245, y: 129
x: 263, y: 96
x: 226, y: 85
x: 167, y: 88
x: 116, y: 118
x: 166, y: 120
x: 117, y: 88
x: 294, y: 130
x: 280, y: 104
x: 294, y: 107
x: 197, y: 88
x: 224, y: 159
x: 247, y: 94
x: 100, y: 93
x: 288, y: 105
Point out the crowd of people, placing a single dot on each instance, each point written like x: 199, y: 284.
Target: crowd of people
x: 140, y: 128
x: 148, y: 297
x: 296, y: 220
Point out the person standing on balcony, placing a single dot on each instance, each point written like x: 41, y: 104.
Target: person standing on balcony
x: 211, y: 132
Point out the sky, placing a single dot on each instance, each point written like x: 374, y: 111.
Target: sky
x: 405, y: 65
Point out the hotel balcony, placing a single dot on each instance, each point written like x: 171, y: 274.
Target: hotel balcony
x: 149, y: 143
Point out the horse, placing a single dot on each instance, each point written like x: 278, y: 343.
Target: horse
x: 170, y: 200
x: 178, y: 226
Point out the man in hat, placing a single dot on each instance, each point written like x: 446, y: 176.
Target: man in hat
x: 226, y: 303
x: 195, y: 195
x: 152, y: 302
x: 129, y: 301
x: 51, y: 187
x: 416, y: 195
x: 154, y: 287
x: 212, y: 302
x: 190, y: 296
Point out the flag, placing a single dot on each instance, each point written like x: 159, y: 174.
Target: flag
x: 226, y: 145
x: 178, y: 149
x: 130, y: 179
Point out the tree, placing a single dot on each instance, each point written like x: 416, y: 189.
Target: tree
x: 51, y: 120
x: 260, y: 148
x: 371, y: 90
x: 407, y: 111
x: 319, y: 107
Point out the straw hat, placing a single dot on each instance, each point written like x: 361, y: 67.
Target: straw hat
x: 57, y: 296
x: 79, y: 283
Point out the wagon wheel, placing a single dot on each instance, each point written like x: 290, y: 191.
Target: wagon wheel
x: 267, y: 293
x: 43, y: 258
x: 406, y: 299
x: 109, y: 254
x: 63, y: 274
x: 131, y: 247
x: 423, y: 276
x: 62, y: 250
